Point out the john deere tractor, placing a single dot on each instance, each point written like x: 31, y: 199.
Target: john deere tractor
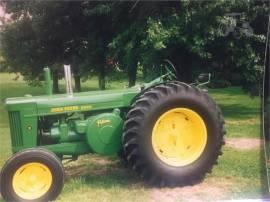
x: 169, y: 132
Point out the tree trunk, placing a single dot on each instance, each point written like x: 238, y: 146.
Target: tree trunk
x: 184, y: 69
x: 77, y: 80
x: 101, y: 82
x: 188, y: 73
x: 101, y: 78
x: 55, y: 81
x: 132, y: 75
x: 76, y: 74
x: 144, y: 70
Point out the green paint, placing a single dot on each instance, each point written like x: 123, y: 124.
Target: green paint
x: 80, y: 126
x: 64, y: 133
x: 96, y: 128
x: 48, y: 81
x: 74, y: 148
x: 19, y: 126
x: 104, y: 133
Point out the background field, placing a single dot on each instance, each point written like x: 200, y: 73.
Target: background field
x: 239, y: 174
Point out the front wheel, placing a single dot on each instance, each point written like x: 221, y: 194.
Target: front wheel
x: 32, y: 175
x: 173, y: 134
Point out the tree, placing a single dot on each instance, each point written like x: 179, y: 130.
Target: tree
x: 40, y: 35
x: 28, y: 45
x: 191, y: 35
x: 87, y: 34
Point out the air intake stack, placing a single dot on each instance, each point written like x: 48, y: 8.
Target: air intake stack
x: 68, y: 79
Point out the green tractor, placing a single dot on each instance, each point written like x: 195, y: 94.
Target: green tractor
x: 169, y: 132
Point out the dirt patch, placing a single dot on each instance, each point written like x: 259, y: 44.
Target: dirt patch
x: 208, y: 190
x: 76, y: 170
x: 103, y: 161
x: 88, y: 164
x: 246, y: 121
x: 243, y: 143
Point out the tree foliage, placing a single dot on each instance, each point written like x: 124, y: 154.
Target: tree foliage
x: 96, y: 37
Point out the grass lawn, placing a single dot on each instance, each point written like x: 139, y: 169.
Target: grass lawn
x: 239, y: 174
x: 242, y: 113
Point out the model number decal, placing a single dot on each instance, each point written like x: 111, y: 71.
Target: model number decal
x: 100, y: 122
x: 71, y: 108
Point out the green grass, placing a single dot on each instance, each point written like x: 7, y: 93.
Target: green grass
x: 247, y: 167
x: 241, y: 112
x: 239, y: 174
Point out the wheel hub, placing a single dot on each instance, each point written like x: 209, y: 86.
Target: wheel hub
x: 179, y: 137
x: 32, y: 180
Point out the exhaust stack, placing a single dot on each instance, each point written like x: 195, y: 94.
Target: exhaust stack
x: 68, y: 80
x: 48, y: 81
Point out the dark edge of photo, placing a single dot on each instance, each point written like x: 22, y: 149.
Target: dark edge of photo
x: 266, y: 106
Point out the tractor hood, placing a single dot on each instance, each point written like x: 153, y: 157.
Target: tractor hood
x: 85, y: 101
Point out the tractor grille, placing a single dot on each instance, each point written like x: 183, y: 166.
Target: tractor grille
x: 15, y: 129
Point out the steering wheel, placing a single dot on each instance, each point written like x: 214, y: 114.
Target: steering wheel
x: 171, y: 72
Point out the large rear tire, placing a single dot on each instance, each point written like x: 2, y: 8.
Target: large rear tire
x: 173, y: 134
x: 32, y: 175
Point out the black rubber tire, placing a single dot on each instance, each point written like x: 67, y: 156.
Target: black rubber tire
x: 26, y: 156
x: 122, y: 157
x: 138, y: 131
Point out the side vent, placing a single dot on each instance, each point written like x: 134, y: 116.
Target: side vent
x: 15, y: 129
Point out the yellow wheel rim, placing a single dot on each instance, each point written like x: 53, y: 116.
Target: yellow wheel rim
x: 32, y: 181
x: 179, y: 137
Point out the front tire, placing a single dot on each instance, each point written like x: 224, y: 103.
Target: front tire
x: 32, y: 175
x: 173, y: 134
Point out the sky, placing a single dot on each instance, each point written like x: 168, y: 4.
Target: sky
x: 3, y: 15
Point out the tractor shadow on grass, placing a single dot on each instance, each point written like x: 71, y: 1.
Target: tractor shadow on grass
x: 101, y: 171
